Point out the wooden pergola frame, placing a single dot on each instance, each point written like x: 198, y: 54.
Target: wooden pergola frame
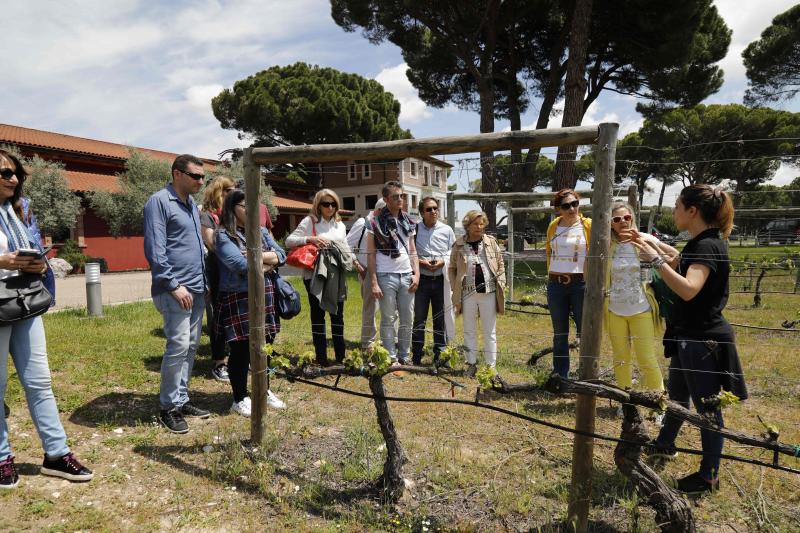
x: 603, y: 135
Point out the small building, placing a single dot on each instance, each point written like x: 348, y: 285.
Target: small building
x: 359, y: 183
x: 93, y: 165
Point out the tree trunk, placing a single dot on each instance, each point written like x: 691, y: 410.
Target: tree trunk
x: 575, y: 86
x: 392, y: 478
x: 486, y: 93
x: 673, y: 513
x: 660, y: 199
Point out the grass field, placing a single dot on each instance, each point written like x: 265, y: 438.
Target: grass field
x: 471, y: 470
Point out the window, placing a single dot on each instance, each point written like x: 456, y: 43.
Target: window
x: 352, y: 174
x: 370, y: 200
x: 436, y: 177
x: 414, y: 200
x: 349, y: 203
x: 366, y: 170
x: 425, y: 179
x: 413, y: 168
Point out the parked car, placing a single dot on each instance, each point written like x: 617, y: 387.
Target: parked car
x: 664, y: 237
x: 781, y: 230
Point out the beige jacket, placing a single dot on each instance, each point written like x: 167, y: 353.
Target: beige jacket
x: 457, y: 270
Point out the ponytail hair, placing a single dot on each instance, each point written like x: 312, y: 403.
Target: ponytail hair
x: 714, y: 205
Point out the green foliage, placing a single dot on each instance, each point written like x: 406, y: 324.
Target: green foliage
x: 304, y: 104
x: 451, y: 356
x: 280, y: 361
x: 665, y: 222
x: 773, y: 431
x: 124, y: 210
x: 373, y: 361
x: 354, y: 359
x: 72, y: 254
x: 305, y: 358
x: 294, y: 175
x: 528, y: 299
x: 772, y: 60
x: 726, y: 399
x: 56, y: 207
x: 485, y: 376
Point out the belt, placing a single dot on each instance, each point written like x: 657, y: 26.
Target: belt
x: 565, y: 279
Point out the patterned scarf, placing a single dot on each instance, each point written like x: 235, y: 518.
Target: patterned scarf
x: 18, y: 238
x: 387, y: 228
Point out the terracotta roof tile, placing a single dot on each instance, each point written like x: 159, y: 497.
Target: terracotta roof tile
x: 70, y: 143
x: 290, y: 204
x: 87, y: 181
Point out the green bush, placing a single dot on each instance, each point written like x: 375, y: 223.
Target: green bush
x: 72, y: 254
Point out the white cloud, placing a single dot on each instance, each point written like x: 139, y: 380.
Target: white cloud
x: 200, y: 96
x: 412, y: 108
x: 785, y: 175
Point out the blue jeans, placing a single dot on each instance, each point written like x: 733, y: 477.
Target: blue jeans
x: 563, y: 299
x: 182, y: 330
x: 396, y: 301
x: 28, y: 347
x: 694, y: 373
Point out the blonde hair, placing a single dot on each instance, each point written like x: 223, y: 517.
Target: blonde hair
x: 473, y: 215
x: 213, y: 195
x: 629, y: 208
x: 316, y: 209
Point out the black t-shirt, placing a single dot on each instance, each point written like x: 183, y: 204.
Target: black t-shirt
x: 480, y: 281
x: 702, y: 315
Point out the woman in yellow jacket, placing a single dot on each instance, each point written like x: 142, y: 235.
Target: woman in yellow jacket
x: 478, y: 280
x: 632, y: 318
x: 566, y: 248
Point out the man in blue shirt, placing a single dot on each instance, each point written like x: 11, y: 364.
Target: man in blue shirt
x: 434, y: 241
x: 174, y: 249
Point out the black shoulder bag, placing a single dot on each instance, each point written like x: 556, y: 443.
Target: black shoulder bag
x: 23, y: 297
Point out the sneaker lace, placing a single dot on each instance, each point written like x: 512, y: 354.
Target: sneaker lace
x: 72, y: 462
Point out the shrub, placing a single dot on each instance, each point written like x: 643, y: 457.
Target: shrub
x: 72, y: 254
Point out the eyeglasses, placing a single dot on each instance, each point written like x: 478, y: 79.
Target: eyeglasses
x: 7, y: 173
x: 242, y: 205
x: 617, y: 220
x: 395, y: 196
x: 194, y: 176
x: 431, y: 209
x: 568, y: 205
x: 329, y: 204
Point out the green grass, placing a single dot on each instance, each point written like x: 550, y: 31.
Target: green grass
x: 472, y: 470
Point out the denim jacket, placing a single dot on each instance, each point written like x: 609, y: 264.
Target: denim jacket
x: 232, y: 259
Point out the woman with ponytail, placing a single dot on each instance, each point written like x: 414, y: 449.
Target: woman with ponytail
x: 706, y: 361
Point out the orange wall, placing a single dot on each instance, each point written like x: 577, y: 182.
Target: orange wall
x: 121, y: 253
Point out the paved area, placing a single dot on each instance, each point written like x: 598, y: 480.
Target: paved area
x: 116, y: 288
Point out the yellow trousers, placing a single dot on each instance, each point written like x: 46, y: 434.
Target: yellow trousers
x: 639, y: 331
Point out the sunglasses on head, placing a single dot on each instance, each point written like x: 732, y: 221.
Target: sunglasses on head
x: 618, y: 219
x: 431, y: 209
x: 193, y: 175
x: 7, y: 173
x: 328, y: 204
x: 568, y: 205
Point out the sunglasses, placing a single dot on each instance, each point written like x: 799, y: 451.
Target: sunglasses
x: 568, y: 205
x: 395, y: 196
x: 7, y: 173
x: 194, y: 176
x: 431, y: 209
x: 242, y: 205
x: 329, y: 204
x: 617, y: 220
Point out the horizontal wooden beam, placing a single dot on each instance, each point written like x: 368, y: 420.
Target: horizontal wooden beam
x: 512, y: 196
x: 461, y: 144
x: 766, y: 211
x: 547, y: 209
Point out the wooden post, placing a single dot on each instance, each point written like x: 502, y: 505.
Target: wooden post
x: 633, y: 200
x: 451, y: 210
x: 592, y: 326
x: 255, y: 300
x: 510, y: 249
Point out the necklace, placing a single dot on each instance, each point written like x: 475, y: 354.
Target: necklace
x: 575, y: 247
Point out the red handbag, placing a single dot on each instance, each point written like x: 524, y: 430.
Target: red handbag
x: 304, y: 256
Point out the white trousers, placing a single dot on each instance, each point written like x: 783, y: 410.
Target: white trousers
x: 483, y: 305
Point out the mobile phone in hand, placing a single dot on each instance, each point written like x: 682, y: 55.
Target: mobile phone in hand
x: 32, y: 252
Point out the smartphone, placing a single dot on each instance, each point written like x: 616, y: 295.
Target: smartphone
x: 32, y: 252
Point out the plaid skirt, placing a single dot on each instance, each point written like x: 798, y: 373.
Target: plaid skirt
x: 232, y: 319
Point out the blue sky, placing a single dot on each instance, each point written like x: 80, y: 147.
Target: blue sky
x: 143, y: 73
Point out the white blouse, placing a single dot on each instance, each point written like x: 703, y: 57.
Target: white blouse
x: 568, y: 249
x: 626, y: 296
x: 331, y: 230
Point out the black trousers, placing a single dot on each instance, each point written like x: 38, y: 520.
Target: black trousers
x: 318, y: 328
x: 217, y: 341
x: 238, y: 365
x: 430, y: 293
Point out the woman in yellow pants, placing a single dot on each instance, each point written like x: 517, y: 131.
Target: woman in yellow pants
x: 632, y: 317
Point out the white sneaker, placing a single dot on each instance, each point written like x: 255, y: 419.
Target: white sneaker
x: 274, y: 402
x: 620, y: 413
x: 659, y: 419
x: 244, y: 407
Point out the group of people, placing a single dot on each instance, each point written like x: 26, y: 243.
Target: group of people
x: 406, y: 269
x: 697, y: 339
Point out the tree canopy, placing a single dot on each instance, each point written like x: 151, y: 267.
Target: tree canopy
x: 773, y: 61
x: 305, y: 104
x: 124, y: 210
